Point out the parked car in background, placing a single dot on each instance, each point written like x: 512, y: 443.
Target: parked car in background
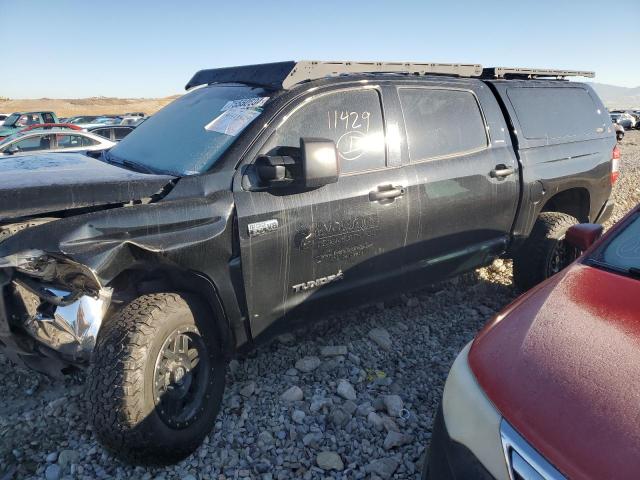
x: 18, y: 120
x: 89, y: 121
x: 632, y: 114
x: 115, y: 133
x: 52, y: 140
x: 619, y: 131
x: 106, y: 120
x: 3, y: 116
x: 134, y: 114
x: 625, y: 119
x: 549, y: 388
x: 131, y: 120
x: 82, y: 119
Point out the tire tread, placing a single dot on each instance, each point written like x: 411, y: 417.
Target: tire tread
x: 116, y: 380
x: 530, y: 261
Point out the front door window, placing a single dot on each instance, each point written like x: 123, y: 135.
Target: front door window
x: 352, y: 119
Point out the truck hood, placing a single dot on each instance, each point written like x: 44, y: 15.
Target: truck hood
x: 38, y: 184
x: 562, y: 365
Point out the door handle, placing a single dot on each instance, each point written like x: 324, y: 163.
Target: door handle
x: 502, y: 171
x: 386, y: 193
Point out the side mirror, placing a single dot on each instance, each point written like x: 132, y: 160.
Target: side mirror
x: 319, y: 158
x: 313, y: 165
x: 277, y: 170
x: 583, y: 235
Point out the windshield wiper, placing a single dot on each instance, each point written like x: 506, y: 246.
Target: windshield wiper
x: 138, y: 167
x: 631, y: 271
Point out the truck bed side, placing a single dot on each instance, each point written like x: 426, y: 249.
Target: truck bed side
x: 562, y: 136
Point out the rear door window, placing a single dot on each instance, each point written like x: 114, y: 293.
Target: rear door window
x: 88, y: 142
x: 441, y: 122
x: 103, y: 132
x: 120, y: 133
x: 47, y: 118
x: 69, y: 141
x: 352, y: 119
x: 554, y: 113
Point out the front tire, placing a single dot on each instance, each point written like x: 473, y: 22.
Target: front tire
x: 545, y: 252
x: 157, y: 379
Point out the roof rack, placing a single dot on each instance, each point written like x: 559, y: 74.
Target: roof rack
x: 284, y: 75
x: 512, y: 72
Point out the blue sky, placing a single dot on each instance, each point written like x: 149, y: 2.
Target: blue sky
x: 144, y: 48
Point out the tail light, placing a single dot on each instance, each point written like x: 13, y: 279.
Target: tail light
x: 615, y: 164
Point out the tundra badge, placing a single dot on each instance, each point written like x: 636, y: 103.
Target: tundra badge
x: 260, y: 228
x: 318, y: 282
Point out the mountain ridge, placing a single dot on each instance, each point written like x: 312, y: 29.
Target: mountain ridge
x: 613, y: 96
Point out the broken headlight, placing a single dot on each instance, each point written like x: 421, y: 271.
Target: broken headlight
x: 39, y: 272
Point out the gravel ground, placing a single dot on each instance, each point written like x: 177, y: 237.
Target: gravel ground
x: 367, y: 403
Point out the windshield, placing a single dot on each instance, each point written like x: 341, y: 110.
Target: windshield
x: 11, y: 119
x: 105, y: 120
x: 622, y: 251
x: 189, y: 135
x: 76, y: 120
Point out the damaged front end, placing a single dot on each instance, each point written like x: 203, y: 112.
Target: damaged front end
x: 51, y: 306
x: 51, y: 310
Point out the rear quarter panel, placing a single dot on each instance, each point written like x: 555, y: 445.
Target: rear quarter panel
x: 553, y: 165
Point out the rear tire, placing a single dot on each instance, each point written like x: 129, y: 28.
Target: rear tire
x: 544, y: 253
x: 157, y: 379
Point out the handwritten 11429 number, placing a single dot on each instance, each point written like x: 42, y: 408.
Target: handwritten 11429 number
x: 346, y: 120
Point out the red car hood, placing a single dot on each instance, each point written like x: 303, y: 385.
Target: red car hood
x: 562, y: 366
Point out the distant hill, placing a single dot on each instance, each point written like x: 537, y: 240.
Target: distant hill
x: 618, y: 97
x: 612, y: 96
x: 66, y: 107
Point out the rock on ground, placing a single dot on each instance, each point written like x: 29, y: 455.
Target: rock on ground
x: 346, y: 390
x: 329, y: 461
x: 308, y: 364
x: 396, y: 439
x: 293, y: 394
x: 383, y: 467
x: 333, y: 351
x: 393, y: 404
x: 381, y: 337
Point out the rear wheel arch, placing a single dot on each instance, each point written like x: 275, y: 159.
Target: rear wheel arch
x: 573, y: 201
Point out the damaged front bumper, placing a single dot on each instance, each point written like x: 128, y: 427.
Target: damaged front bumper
x: 47, y: 329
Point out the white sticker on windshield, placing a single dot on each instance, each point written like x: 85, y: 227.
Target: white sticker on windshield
x: 233, y: 121
x: 253, y: 102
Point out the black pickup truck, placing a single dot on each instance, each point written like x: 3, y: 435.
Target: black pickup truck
x: 275, y: 191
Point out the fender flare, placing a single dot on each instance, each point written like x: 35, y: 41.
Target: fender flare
x: 144, y: 279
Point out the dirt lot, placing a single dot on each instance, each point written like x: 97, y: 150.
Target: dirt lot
x: 86, y: 106
x: 44, y: 434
